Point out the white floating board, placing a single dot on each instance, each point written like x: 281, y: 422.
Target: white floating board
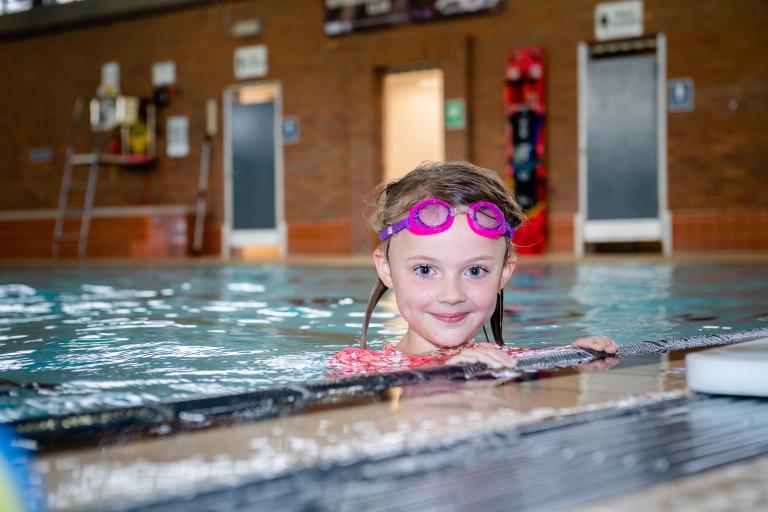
x: 740, y: 369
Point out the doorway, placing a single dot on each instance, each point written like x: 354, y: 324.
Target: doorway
x: 253, y: 171
x: 622, y: 144
x: 413, y: 120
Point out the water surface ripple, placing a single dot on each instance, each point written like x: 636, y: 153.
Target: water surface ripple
x: 80, y: 338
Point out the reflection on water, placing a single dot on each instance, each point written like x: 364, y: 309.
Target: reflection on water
x: 623, y: 297
x: 84, y: 338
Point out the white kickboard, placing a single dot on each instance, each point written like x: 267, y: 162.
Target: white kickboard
x: 740, y: 369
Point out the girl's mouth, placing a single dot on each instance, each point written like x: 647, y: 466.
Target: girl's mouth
x: 450, y: 318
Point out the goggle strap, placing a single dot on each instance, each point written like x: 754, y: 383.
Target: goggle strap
x: 508, y: 230
x: 394, y: 228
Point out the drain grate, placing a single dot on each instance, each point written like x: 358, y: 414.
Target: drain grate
x: 548, y: 466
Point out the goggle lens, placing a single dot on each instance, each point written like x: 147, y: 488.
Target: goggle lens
x: 487, y: 217
x: 433, y: 215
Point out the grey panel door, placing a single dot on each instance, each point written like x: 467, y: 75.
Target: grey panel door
x: 253, y: 166
x: 622, y: 169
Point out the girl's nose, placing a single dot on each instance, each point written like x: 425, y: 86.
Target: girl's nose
x: 451, y: 291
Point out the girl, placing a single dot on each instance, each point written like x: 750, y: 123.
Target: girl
x: 446, y: 251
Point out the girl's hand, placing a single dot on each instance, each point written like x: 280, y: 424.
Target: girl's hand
x: 598, y: 343
x: 486, y: 353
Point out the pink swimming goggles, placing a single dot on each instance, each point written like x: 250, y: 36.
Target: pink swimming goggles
x: 433, y: 216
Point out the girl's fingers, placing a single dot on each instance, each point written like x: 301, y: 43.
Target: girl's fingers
x: 462, y: 358
x: 489, y: 356
x: 600, y: 343
x: 607, y: 344
x: 500, y: 356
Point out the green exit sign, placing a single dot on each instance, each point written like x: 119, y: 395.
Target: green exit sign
x: 455, y: 115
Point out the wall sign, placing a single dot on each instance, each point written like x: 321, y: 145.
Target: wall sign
x: 110, y: 79
x: 617, y: 20
x: 455, y: 115
x: 177, y: 133
x: 290, y: 130
x: 345, y: 16
x: 163, y: 73
x: 251, y: 61
x: 680, y: 95
x: 246, y: 28
x: 41, y: 155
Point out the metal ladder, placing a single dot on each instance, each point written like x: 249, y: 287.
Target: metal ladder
x: 88, y: 185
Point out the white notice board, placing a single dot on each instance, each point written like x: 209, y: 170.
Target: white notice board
x: 618, y: 20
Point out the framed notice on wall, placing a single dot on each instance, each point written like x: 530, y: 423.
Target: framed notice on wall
x: 177, y: 139
x: 345, y: 16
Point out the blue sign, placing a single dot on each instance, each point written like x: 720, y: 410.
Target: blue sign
x: 290, y: 130
x: 40, y: 155
x: 680, y: 95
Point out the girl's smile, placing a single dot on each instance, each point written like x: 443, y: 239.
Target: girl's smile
x: 450, y: 318
x: 445, y: 284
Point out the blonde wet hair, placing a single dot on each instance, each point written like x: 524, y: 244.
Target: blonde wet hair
x: 457, y: 183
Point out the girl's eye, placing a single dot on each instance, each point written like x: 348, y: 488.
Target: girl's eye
x: 477, y: 271
x: 424, y: 270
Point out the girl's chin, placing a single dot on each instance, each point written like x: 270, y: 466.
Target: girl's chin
x: 410, y: 344
x: 444, y: 344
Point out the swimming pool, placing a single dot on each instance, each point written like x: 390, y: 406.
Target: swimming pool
x: 85, y: 338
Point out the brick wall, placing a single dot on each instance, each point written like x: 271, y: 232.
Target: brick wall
x: 717, y: 153
x: 137, y: 236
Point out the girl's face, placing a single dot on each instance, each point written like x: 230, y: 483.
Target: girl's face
x: 445, y: 284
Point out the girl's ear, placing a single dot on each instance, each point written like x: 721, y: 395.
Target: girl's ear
x: 506, y: 271
x: 382, y: 267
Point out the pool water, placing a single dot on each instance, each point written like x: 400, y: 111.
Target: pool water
x: 85, y: 338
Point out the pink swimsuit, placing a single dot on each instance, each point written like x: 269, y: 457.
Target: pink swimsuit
x: 352, y: 361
